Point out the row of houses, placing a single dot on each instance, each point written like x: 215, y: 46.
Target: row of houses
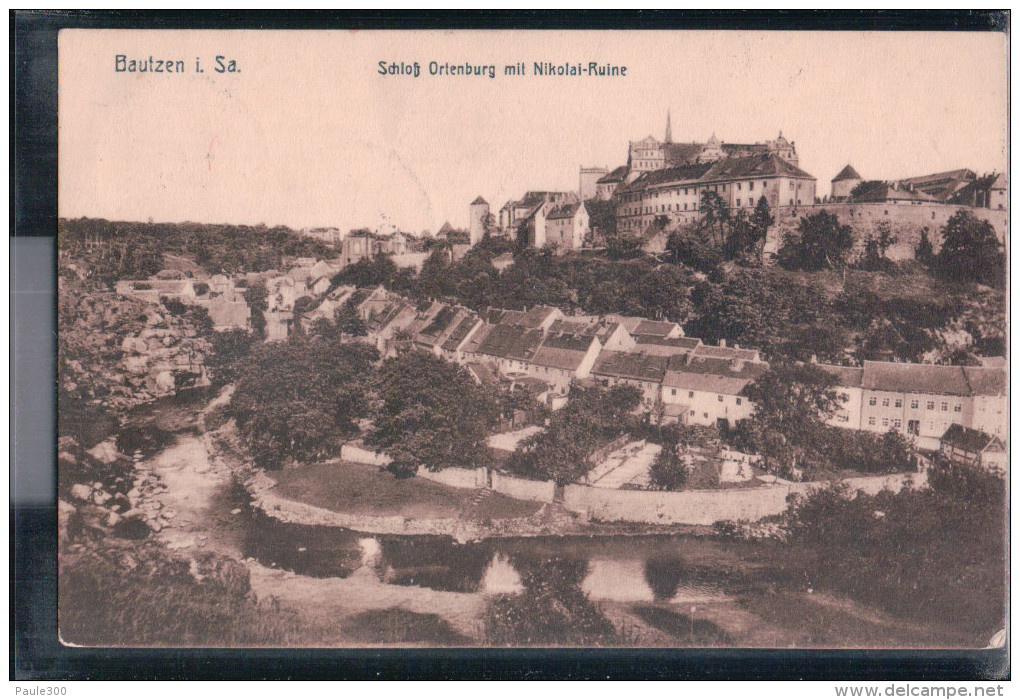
x: 681, y: 379
x: 922, y: 401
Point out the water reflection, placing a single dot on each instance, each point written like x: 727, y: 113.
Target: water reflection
x: 638, y: 570
x: 620, y: 580
x: 501, y: 576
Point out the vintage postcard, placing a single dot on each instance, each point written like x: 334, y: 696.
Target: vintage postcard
x: 532, y: 339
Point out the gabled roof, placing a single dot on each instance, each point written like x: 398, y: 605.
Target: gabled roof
x: 565, y: 211
x: 753, y: 166
x: 714, y: 375
x: 505, y: 317
x: 971, y: 440
x: 631, y: 365
x: 966, y: 193
x: 483, y: 373
x: 986, y: 381
x: 479, y: 200
x: 885, y: 192
x: 656, y: 328
x: 679, y: 343
x: 461, y: 332
x: 617, y: 175
x: 564, y: 351
x: 537, y: 315
x: 676, y: 174
x: 726, y: 353
x: 511, y: 343
x: 910, y: 378
x: 849, y: 377
x: 677, y: 153
x: 847, y: 173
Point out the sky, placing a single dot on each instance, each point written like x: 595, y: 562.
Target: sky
x: 306, y: 132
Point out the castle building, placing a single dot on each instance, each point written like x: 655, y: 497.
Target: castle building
x: 674, y: 194
x: 648, y: 154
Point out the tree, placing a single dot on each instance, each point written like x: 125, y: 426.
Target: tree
x: 668, y: 472
x: 924, y: 253
x: 433, y: 415
x: 821, y: 242
x: 970, y: 251
x: 300, y: 399
x: 256, y: 296
x: 348, y: 322
x: 563, y: 452
x: 229, y: 349
x: 368, y: 272
x: 715, y: 215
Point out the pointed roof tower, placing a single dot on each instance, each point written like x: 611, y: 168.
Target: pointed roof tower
x: 669, y: 130
x: 847, y: 173
x: 478, y: 200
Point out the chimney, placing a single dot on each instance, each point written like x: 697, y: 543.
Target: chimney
x: 814, y: 359
x: 736, y: 346
x: 722, y: 342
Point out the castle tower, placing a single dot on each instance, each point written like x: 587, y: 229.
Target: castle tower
x: 844, y: 183
x: 587, y: 183
x: 478, y: 216
x: 669, y: 129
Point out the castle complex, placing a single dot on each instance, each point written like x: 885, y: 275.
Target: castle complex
x: 663, y: 183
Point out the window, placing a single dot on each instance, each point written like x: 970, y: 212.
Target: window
x: 872, y: 401
x: 738, y: 187
x: 885, y: 422
x: 871, y: 421
x: 690, y: 394
x: 692, y: 413
x: 896, y: 423
x: 899, y: 403
x: 705, y: 414
x: 931, y: 405
x: 738, y: 201
x: 945, y: 406
x: 957, y: 408
x: 913, y: 403
x: 764, y: 184
x: 791, y: 202
x: 885, y: 402
x: 672, y: 392
x: 750, y: 185
x: 720, y: 398
x: 739, y: 401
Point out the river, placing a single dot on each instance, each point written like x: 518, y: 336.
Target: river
x: 357, y: 589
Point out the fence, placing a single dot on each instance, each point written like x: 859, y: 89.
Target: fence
x: 708, y: 507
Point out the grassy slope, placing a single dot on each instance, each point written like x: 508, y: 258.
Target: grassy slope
x: 361, y: 489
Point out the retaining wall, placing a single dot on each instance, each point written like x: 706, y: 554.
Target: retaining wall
x: 458, y: 478
x: 524, y: 489
x: 709, y: 507
x: 353, y: 453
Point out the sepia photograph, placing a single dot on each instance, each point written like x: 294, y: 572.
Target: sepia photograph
x: 514, y: 338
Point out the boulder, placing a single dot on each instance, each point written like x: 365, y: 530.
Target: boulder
x: 81, y: 492
x: 165, y: 381
x: 106, y: 452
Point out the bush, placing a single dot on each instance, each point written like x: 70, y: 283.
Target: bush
x: 143, y: 596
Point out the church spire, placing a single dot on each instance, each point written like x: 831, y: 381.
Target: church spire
x: 669, y: 130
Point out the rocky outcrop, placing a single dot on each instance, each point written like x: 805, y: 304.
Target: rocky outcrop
x: 121, y: 352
